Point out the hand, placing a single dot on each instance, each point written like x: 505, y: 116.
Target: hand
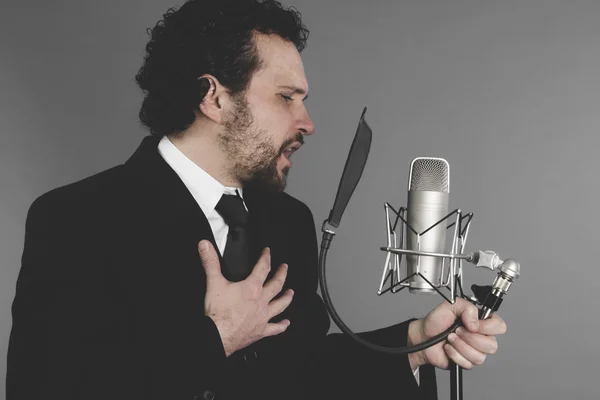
x: 468, y: 347
x: 242, y: 310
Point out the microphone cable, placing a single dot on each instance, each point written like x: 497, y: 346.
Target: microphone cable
x: 325, y: 244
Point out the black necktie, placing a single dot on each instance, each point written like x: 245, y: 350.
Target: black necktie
x: 237, y: 248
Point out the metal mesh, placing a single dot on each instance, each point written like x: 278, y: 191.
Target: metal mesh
x: 431, y: 174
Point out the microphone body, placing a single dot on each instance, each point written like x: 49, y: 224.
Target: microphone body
x: 428, y: 198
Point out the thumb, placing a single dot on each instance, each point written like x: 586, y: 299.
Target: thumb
x: 210, y: 260
x: 467, y: 312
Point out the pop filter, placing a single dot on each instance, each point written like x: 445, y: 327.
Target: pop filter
x: 355, y: 164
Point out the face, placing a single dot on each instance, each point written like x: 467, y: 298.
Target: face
x: 267, y: 123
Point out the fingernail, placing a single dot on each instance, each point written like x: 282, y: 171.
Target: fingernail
x: 460, y: 330
x: 452, y: 337
x: 203, y: 245
x: 291, y: 292
x: 474, y: 323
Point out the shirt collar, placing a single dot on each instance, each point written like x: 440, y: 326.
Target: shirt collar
x: 205, y: 189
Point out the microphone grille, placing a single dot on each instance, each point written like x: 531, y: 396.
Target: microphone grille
x: 429, y: 174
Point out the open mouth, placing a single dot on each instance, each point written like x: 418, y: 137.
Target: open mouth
x: 288, y: 151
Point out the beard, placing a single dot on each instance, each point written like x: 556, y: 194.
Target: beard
x: 253, y: 152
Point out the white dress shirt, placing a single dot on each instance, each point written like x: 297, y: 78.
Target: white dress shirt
x: 205, y: 189
x: 207, y: 192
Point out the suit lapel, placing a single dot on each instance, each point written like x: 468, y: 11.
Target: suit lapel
x: 267, y: 227
x: 176, y: 215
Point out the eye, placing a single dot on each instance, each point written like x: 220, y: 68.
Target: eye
x: 286, y: 98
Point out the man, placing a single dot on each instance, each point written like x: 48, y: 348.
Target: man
x: 153, y: 280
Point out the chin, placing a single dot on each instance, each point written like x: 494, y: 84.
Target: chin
x: 276, y: 184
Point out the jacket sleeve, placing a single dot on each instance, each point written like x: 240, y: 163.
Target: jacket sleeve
x: 69, y: 338
x: 347, y: 369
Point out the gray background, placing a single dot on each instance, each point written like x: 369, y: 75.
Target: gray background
x: 506, y: 91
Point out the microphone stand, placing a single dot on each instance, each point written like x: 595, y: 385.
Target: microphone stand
x: 456, y: 382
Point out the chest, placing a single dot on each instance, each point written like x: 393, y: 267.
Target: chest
x: 159, y: 264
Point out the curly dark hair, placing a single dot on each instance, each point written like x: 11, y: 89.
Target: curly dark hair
x: 206, y: 37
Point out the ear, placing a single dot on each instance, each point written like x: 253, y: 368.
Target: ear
x: 212, y: 103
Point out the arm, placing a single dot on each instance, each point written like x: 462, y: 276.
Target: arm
x: 348, y: 367
x: 72, y: 336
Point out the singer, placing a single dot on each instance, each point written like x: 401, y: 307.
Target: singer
x: 187, y: 272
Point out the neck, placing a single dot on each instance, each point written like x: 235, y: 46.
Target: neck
x: 200, y: 146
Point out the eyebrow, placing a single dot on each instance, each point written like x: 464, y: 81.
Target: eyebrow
x: 295, y: 89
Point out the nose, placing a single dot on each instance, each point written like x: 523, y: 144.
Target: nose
x: 304, y: 123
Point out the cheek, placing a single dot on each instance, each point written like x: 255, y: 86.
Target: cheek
x: 279, y: 127
x: 276, y: 118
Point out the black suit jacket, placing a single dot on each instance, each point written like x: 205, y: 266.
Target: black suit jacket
x: 110, y: 302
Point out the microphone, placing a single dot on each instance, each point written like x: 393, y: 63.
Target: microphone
x: 428, y: 195
x: 422, y: 239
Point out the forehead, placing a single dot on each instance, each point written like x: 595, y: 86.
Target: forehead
x: 281, y: 62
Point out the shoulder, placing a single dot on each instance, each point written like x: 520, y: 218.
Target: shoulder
x: 80, y: 199
x: 289, y: 201
x: 290, y: 205
x: 293, y: 212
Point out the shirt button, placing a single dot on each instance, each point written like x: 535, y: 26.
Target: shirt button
x: 250, y: 357
x: 208, y: 395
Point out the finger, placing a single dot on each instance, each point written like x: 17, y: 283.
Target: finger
x: 468, y: 313
x: 273, y: 329
x: 273, y: 287
x: 483, y: 343
x: 263, y: 266
x: 470, y: 354
x: 277, y: 306
x: 456, y: 357
x: 210, y: 261
x: 494, y: 325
